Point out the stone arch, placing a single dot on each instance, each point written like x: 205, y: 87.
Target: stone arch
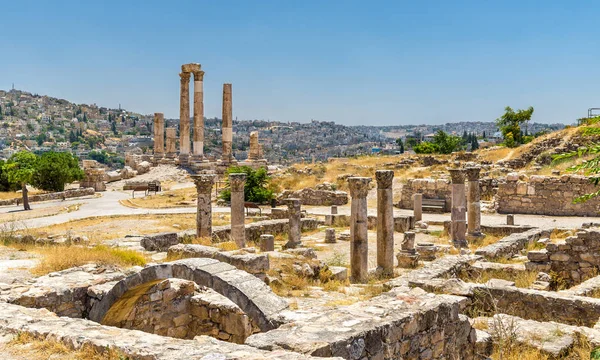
x: 248, y: 292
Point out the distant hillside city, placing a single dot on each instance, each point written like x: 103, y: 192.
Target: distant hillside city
x: 41, y: 123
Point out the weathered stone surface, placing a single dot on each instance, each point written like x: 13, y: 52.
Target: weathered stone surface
x: 295, y: 216
x: 512, y: 244
x: 385, y: 221
x: 204, y: 184
x: 257, y: 264
x: 267, y: 242
x: 236, y: 184
x: 227, y: 131
x: 310, y: 196
x: 159, y: 242
x: 159, y: 135
x: 359, y: 188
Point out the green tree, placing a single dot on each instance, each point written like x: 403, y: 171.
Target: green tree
x: 256, y: 188
x: 400, y: 145
x: 5, y: 184
x: 20, y: 169
x: 510, y: 123
x: 426, y: 148
x: 55, y: 169
x: 474, y: 144
x: 447, y: 143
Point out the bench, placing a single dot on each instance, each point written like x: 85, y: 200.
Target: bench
x: 433, y: 205
x: 153, y: 186
x: 251, y: 205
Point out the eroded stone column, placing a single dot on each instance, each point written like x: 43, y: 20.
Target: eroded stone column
x: 267, y: 242
x: 295, y: 218
x: 238, y: 230
x: 204, y: 184
x: 227, y: 124
x: 198, y: 139
x: 473, y: 203
x: 159, y: 136
x: 418, y: 207
x: 385, y: 222
x: 458, y: 227
x: 359, y: 245
x: 408, y: 256
x: 184, y: 117
x: 254, y: 153
x: 171, y: 142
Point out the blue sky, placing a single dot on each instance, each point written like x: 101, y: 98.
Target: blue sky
x: 353, y: 62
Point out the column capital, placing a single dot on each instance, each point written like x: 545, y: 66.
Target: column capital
x: 359, y: 186
x: 204, y: 183
x: 158, y: 116
x: 457, y: 176
x: 237, y: 181
x: 384, y: 178
x: 198, y: 75
x: 293, y: 204
x: 185, y: 77
x: 473, y: 173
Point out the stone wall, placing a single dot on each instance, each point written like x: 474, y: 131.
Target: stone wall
x: 402, y: 223
x: 512, y: 244
x: 52, y: 196
x: 573, y: 260
x: 180, y: 309
x: 309, y: 196
x: 546, y: 195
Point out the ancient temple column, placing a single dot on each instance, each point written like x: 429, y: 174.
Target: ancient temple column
x: 184, y: 117
x: 385, y: 222
x: 159, y: 135
x: 473, y: 204
x: 254, y: 153
x: 227, y: 124
x: 295, y: 218
x: 359, y: 245
x: 198, y: 140
x: 458, y: 217
x: 204, y: 184
x: 238, y: 230
x: 418, y: 207
x: 171, y: 142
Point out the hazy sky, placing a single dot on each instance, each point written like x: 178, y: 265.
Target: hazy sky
x: 353, y: 62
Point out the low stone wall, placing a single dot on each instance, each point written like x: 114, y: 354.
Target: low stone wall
x: 180, y: 309
x: 512, y: 244
x: 573, y: 260
x: 401, y: 223
x: 255, y: 264
x: 546, y: 195
x: 440, y: 189
x: 309, y: 196
x: 134, y: 345
x: 52, y: 196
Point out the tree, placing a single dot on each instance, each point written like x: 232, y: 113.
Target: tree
x: 113, y: 127
x: 426, y: 148
x: 256, y: 187
x: 20, y: 168
x: 446, y: 143
x: 510, y: 123
x: 400, y: 145
x: 5, y: 184
x: 54, y: 170
x: 474, y: 144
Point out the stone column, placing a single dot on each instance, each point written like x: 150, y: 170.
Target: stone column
x: 159, y: 136
x: 385, y: 222
x: 359, y: 245
x: 267, y: 242
x: 227, y: 124
x: 204, y: 184
x: 171, y: 143
x: 184, y: 117
x: 473, y: 204
x: 198, y: 115
x: 510, y: 219
x: 408, y: 256
x: 418, y: 207
x: 238, y: 230
x: 458, y: 227
x: 254, y: 153
x: 295, y: 218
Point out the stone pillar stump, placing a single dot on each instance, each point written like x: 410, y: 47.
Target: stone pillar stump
x: 385, y: 222
x: 204, y: 184
x: 359, y: 245
x: 295, y: 219
x: 159, y: 136
x: 238, y: 229
x: 267, y: 242
x: 184, y: 117
x: 473, y: 204
x: 418, y: 207
x: 407, y: 256
x: 458, y: 227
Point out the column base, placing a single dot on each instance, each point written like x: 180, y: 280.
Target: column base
x: 460, y: 244
x: 184, y: 159
x: 408, y: 259
x: 475, y: 236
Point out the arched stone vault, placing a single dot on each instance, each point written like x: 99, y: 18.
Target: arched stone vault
x: 252, y: 295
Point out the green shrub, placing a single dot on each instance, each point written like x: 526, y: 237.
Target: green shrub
x: 256, y: 188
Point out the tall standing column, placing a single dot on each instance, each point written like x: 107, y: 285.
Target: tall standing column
x: 295, y: 219
x: 227, y: 124
x: 159, y: 136
x: 385, y: 222
x: 418, y: 207
x: 198, y: 115
x: 359, y: 244
x: 184, y: 117
x: 473, y: 203
x: 171, y: 143
x: 204, y: 184
x: 238, y: 230
x: 458, y: 227
x: 254, y: 153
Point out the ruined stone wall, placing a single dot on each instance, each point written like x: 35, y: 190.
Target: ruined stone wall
x: 573, y: 260
x: 52, y: 196
x: 440, y: 189
x: 181, y: 309
x: 317, y: 197
x: 546, y: 195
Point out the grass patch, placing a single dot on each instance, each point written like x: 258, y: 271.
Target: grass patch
x: 57, y: 258
x: 522, y: 279
x: 337, y: 259
x: 28, y: 346
x: 487, y: 240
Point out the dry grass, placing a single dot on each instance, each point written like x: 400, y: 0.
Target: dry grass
x: 495, y: 154
x: 56, y: 258
x: 6, y: 195
x: 522, y: 279
x: 111, y: 227
x: 512, y: 350
x: 164, y: 200
x: 487, y: 240
x: 25, y: 345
